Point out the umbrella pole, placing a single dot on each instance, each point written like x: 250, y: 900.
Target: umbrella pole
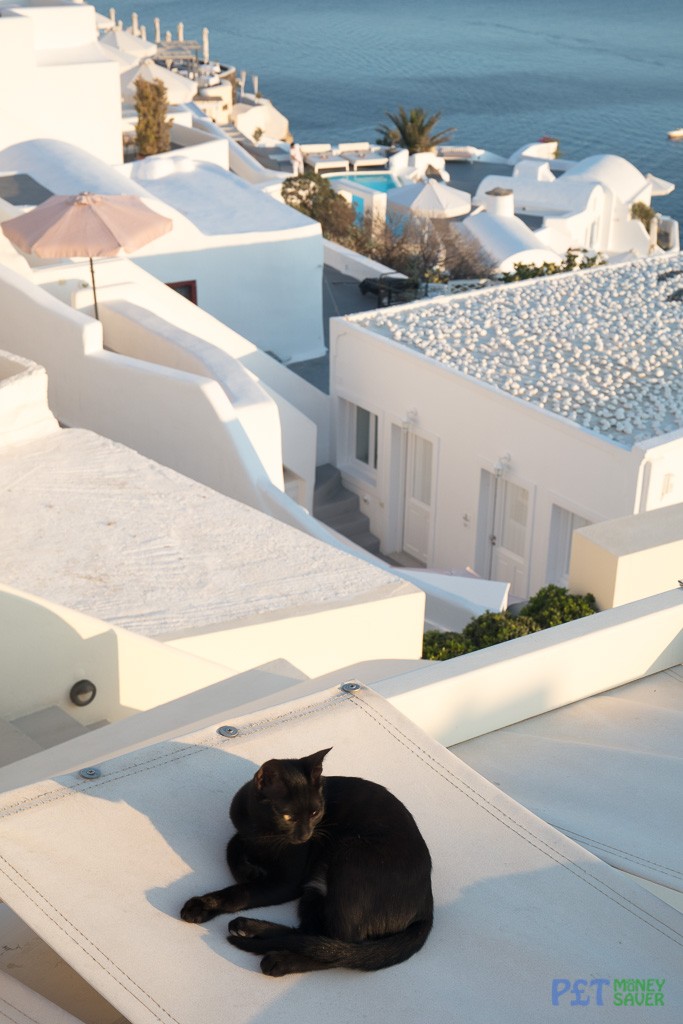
x: 94, y: 293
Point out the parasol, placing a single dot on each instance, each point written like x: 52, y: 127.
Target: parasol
x: 86, y: 225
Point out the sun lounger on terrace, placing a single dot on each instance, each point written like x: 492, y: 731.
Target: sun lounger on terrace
x: 322, y: 157
x: 362, y: 155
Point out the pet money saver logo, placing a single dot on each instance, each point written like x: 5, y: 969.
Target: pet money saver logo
x: 607, y: 992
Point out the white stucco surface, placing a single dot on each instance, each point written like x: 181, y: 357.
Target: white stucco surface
x: 216, y: 202
x: 94, y: 526
x: 602, y: 348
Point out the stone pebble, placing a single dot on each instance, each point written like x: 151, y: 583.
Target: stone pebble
x: 602, y: 347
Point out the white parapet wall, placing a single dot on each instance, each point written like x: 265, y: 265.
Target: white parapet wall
x: 309, y: 639
x: 626, y: 559
x: 489, y: 689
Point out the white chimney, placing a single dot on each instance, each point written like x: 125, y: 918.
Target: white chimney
x: 500, y: 202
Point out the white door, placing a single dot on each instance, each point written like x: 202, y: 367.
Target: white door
x: 417, y: 514
x: 511, y: 536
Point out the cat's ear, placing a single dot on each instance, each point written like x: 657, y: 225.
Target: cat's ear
x: 313, y: 764
x: 268, y: 779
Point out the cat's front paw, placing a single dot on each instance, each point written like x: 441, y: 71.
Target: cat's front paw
x: 199, y: 909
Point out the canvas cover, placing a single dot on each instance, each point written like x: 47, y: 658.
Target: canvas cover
x: 607, y: 771
x: 100, y: 868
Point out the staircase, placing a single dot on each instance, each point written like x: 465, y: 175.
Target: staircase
x: 337, y: 507
x: 37, y: 731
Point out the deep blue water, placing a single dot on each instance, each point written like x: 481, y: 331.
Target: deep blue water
x: 603, y: 76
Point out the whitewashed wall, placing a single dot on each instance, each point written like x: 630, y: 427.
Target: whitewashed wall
x: 472, y: 427
x: 76, y: 99
x: 45, y: 648
x: 268, y: 289
x: 177, y: 418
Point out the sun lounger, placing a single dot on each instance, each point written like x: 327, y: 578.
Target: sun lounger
x: 321, y: 157
x: 100, y: 866
x: 361, y: 155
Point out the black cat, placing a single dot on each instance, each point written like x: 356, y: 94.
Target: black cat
x: 347, y: 847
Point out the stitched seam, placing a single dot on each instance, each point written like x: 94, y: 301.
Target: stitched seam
x: 581, y: 873
x: 17, y: 1009
x: 87, y: 945
x: 39, y: 900
x: 617, y: 850
x: 157, y: 760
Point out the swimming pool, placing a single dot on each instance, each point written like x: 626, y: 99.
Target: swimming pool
x: 381, y: 182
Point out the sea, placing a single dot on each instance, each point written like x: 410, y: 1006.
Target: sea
x: 602, y: 76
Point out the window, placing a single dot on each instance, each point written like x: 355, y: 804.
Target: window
x: 515, y: 508
x: 562, y: 526
x: 188, y: 289
x: 365, y: 439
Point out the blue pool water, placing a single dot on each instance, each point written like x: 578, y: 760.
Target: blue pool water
x: 380, y: 182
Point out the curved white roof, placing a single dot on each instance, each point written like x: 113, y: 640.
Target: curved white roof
x: 615, y: 173
x: 507, y: 240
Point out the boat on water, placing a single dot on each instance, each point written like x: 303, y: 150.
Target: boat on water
x: 676, y: 133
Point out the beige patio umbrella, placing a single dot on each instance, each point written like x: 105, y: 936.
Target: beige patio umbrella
x: 430, y: 198
x: 86, y: 225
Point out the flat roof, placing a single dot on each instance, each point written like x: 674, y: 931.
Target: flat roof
x: 602, y: 348
x: 92, y: 525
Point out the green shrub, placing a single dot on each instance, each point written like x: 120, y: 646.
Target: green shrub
x: 438, y: 646
x: 495, y: 628
x: 574, y: 259
x: 553, y: 605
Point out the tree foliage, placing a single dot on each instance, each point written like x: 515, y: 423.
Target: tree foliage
x: 312, y: 195
x: 422, y: 249
x: 551, y: 606
x: 644, y: 213
x: 413, y: 130
x: 153, y: 132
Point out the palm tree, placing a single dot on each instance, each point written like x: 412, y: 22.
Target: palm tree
x: 412, y: 130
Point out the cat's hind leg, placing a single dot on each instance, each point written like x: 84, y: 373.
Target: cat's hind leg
x: 252, y: 928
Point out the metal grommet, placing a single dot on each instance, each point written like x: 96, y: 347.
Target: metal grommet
x: 82, y: 693
x: 350, y: 687
x: 227, y: 730
x: 90, y: 773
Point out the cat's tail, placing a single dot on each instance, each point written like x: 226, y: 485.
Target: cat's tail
x: 368, y: 955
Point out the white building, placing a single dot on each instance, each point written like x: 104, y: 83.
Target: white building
x: 583, y: 205
x: 56, y: 80
x: 479, y: 431
x: 252, y: 262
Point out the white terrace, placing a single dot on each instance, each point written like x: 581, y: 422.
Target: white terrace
x: 101, y: 529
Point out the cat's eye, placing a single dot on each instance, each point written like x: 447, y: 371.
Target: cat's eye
x: 315, y: 814
x: 286, y: 817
